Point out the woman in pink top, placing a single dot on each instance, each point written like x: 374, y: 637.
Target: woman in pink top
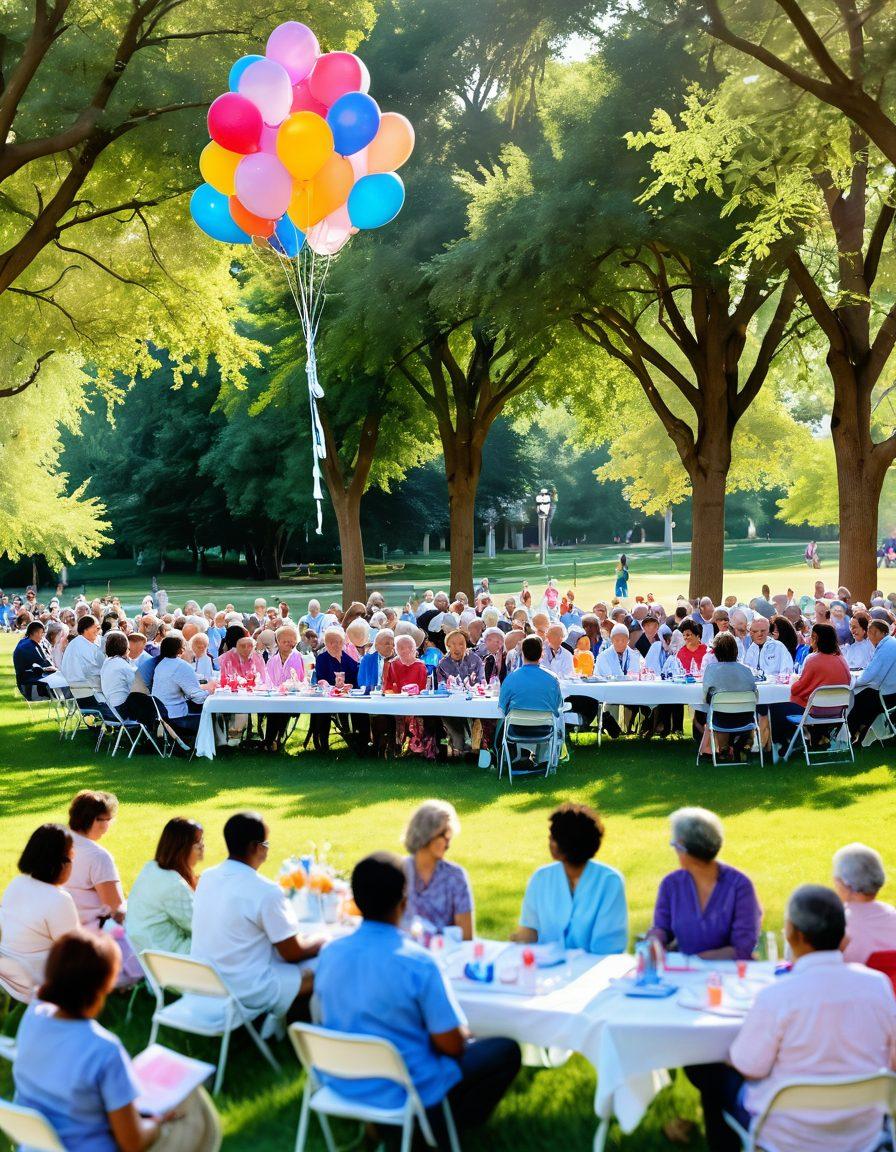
x: 242, y: 660
x: 285, y: 664
x: 870, y: 923
x: 93, y: 882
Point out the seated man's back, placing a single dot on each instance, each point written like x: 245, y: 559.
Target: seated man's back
x: 531, y: 687
x: 379, y: 983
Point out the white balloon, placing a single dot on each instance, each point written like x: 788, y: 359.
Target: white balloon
x: 266, y: 83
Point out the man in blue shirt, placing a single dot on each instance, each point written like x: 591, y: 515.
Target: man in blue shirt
x: 531, y: 687
x: 377, y: 982
x: 879, y: 678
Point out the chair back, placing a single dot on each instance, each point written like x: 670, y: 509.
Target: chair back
x: 348, y: 1055
x: 27, y: 1127
x: 183, y: 974
x: 733, y: 701
x: 830, y: 1094
x: 883, y: 962
x: 832, y: 696
x: 540, y: 723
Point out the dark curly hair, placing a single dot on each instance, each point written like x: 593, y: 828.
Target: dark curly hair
x: 578, y: 831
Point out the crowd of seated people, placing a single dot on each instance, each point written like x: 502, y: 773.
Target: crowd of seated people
x: 161, y: 663
x: 833, y: 1014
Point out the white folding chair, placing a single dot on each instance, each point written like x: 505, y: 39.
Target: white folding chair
x: 132, y: 729
x: 533, y: 732
x: 354, y: 1057
x: 822, y: 1094
x: 206, y: 1006
x: 27, y: 1127
x: 837, y: 699
x: 726, y: 703
x: 884, y: 726
x: 170, y: 738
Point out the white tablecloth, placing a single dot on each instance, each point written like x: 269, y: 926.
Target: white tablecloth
x: 652, y: 693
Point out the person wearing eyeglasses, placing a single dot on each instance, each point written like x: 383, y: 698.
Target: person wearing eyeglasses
x: 438, y: 891
x: 245, y: 926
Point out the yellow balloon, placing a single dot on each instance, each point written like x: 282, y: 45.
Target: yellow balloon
x: 218, y: 168
x: 312, y: 200
x: 304, y: 144
x: 392, y: 145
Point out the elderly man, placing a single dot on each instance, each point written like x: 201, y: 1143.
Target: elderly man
x: 878, y: 679
x: 439, y: 605
x: 705, y: 619
x: 314, y: 619
x: 555, y: 657
x: 870, y: 923
x: 765, y: 653
x: 827, y: 1018
x: 82, y: 661
x: 372, y: 669
x: 31, y: 663
x: 618, y: 660
x: 475, y: 629
x: 505, y: 622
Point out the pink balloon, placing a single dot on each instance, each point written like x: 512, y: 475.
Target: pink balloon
x: 269, y: 139
x: 331, y: 234
x: 336, y: 73
x: 294, y: 46
x: 358, y: 161
x: 266, y: 83
x: 263, y: 185
x: 235, y: 123
x: 303, y: 101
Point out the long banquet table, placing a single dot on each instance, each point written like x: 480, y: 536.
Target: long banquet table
x: 648, y: 693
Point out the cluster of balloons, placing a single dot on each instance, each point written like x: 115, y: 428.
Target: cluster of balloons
x: 299, y: 152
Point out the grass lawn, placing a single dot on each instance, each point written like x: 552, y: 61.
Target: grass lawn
x: 588, y: 570
x: 782, y: 826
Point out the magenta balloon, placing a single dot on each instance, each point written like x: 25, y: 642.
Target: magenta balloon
x: 266, y: 83
x: 294, y: 46
x: 235, y: 123
x: 303, y: 101
x: 263, y: 185
x: 336, y: 73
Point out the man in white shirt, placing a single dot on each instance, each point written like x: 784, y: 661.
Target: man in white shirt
x: 705, y: 619
x: 316, y: 620
x: 765, y: 653
x: 245, y: 926
x: 82, y: 661
x: 618, y: 661
x: 826, y: 1018
x: 556, y: 658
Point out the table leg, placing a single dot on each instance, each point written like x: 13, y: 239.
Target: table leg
x: 600, y: 1136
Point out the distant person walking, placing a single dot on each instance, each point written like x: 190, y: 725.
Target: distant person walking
x: 811, y: 555
x: 621, y: 589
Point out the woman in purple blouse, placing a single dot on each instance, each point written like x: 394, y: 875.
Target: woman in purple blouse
x: 438, y: 892
x: 706, y: 908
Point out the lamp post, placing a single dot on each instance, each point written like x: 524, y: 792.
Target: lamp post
x: 543, y: 507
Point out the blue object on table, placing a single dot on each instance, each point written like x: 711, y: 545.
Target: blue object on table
x: 651, y: 991
x: 481, y: 973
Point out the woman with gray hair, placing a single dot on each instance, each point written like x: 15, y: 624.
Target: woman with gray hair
x: 438, y: 892
x: 705, y: 908
x: 870, y: 923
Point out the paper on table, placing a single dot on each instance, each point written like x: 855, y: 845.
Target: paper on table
x: 166, y: 1079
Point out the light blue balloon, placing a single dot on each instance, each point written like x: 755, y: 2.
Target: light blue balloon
x: 287, y: 238
x: 211, y: 212
x: 375, y: 200
x: 233, y: 80
x: 354, y: 120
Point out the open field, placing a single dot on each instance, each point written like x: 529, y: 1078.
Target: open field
x: 782, y: 825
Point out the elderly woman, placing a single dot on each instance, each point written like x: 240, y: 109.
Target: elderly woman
x: 285, y: 666
x: 357, y: 638
x: 177, y: 689
x: 160, y: 907
x: 462, y: 665
x: 422, y: 734
x: 36, y: 909
x: 705, y: 908
x: 439, y: 892
x: 333, y: 661
x: 575, y: 902
x: 858, y: 654
x: 203, y: 664
x: 242, y: 660
x: 870, y: 923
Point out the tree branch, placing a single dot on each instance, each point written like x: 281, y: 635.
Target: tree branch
x: 18, y: 389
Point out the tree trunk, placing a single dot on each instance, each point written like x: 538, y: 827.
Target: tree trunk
x: 425, y: 543
x: 506, y: 547
x: 860, y: 478
x: 347, y: 506
x: 461, y: 504
x: 707, y: 533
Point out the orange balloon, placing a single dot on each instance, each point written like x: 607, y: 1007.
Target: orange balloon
x: 392, y: 145
x: 251, y: 224
x: 304, y: 143
x: 312, y: 200
x: 218, y: 167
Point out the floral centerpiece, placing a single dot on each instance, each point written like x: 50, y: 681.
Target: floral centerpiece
x: 317, y: 886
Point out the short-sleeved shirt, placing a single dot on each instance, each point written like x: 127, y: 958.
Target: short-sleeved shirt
x: 532, y: 688
x: 594, y: 917
x: 74, y: 1073
x: 33, y: 915
x: 446, y: 896
x: 92, y: 864
x: 238, y: 917
x: 379, y: 983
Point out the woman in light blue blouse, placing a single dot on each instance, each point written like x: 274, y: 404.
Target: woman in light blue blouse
x: 575, y: 902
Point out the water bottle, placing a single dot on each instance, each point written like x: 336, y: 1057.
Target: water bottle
x: 645, y: 960
x: 529, y: 973
x: 314, y: 676
x: 494, y: 686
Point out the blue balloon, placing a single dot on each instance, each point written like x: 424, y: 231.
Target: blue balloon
x: 287, y: 238
x: 375, y: 200
x: 233, y: 80
x: 211, y: 212
x: 354, y: 120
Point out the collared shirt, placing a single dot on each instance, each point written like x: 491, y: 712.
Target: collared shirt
x: 116, y: 679
x: 709, y: 629
x: 174, y: 683
x: 238, y: 917
x: 81, y: 663
x: 858, y: 655
x: 160, y: 911
x: 372, y: 670
x: 317, y: 623
x: 468, y: 668
x: 400, y: 995
x: 30, y: 662
x: 559, y: 662
x: 881, y: 672
x: 870, y: 928
x: 732, y: 916
x: 613, y: 666
x: 532, y: 688
x: 593, y: 917
x: 771, y: 657
x: 446, y: 896
x: 277, y: 671
x: 826, y: 1018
